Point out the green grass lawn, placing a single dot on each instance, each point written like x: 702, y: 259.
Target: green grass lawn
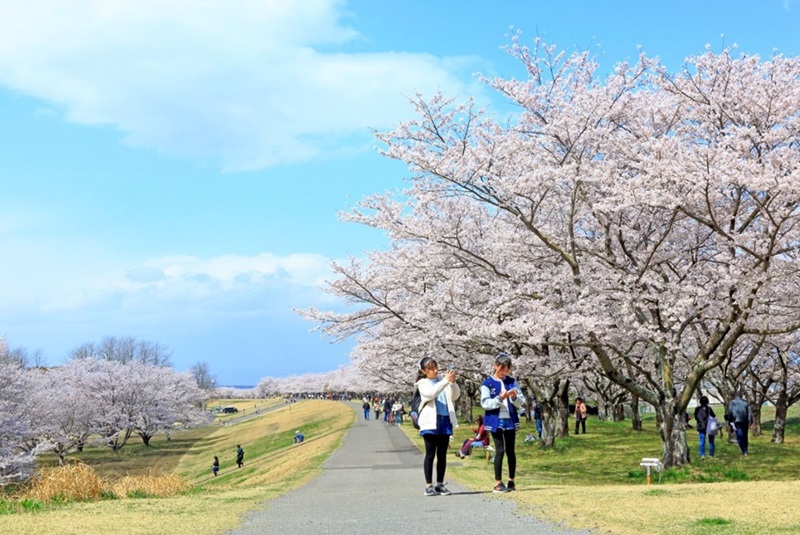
x: 740, y: 495
x: 610, y: 453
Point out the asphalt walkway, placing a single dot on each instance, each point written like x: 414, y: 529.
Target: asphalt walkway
x: 373, y: 484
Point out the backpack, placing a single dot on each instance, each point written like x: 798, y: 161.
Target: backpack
x: 416, y: 401
x: 712, y: 427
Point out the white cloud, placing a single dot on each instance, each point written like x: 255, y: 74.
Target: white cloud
x: 188, y: 275
x: 63, y: 272
x: 252, y: 83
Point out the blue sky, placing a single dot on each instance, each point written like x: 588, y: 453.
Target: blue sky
x: 173, y: 170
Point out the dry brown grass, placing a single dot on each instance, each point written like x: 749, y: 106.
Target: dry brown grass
x: 78, y: 482
x: 71, y: 482
x: 152, y: 485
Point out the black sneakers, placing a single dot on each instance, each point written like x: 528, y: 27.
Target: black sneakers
x: 500, y: 488
x: 441, y: 489
x: 511, y: 486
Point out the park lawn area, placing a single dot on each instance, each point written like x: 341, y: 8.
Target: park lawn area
x: 273, y: 466
x: 600, y: 472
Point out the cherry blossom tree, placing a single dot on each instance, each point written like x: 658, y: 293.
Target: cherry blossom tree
x: 137, y: 398
x: 779, y: 380
x: 16, y: 461
x: 171, y: 399
x: 649, y: 218
x: 63, y: 419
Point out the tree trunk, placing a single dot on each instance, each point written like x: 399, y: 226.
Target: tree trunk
x: 548, y: 424
x: 562, y: 396
x: 675, y: 450
x: 636, y: 418
x: 547, y: 392
x: 604, y: 411
x: 756, y: 428
x: 465, y: 402
x: 618, y: 412
x: 780, y: 418
x: 146, y: 438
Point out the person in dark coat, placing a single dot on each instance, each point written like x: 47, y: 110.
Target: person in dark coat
x: 701, y: 415
x: 740, y: 414
x: 239, y: 455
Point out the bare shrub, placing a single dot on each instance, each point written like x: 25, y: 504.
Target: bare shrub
x: 149, y: 486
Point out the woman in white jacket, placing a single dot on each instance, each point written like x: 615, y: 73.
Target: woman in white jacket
x: 437, y: 419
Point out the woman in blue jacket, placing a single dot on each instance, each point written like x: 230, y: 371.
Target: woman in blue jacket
x: 500, y: 398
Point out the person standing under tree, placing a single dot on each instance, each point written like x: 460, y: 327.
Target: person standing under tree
x: 537, y: 417
x: 437, y: 419
x: 501, y: 398
x: 239, y: 455
x: 580, y: 415
x: 365, y: 407
x: 739, y: 413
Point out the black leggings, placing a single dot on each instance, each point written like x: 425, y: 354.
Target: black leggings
x: 435, y: 445
x: 504, y: 444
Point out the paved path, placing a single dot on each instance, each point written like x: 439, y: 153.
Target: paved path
x: 373, y: 484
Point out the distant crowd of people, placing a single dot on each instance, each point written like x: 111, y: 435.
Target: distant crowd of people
x: 392, y: 409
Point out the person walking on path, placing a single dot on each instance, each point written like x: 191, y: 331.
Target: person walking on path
x: 437, y: 419
x: 365, y: 407
x: 580, y: 415
x: 397, y: 411
x: 215, y: 466
x: 702, y: 414
x: 239, y: 456
x: 740, y: 414
x: 387, y: 409
x: 501, y: 399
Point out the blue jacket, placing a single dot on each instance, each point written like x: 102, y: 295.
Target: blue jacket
x: 739, y: 411
x: 490, y: 390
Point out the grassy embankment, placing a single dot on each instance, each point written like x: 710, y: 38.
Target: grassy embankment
x: 273, y: 465
x: 595, y: 481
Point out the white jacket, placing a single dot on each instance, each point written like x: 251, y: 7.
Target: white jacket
x: 429, y: 391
